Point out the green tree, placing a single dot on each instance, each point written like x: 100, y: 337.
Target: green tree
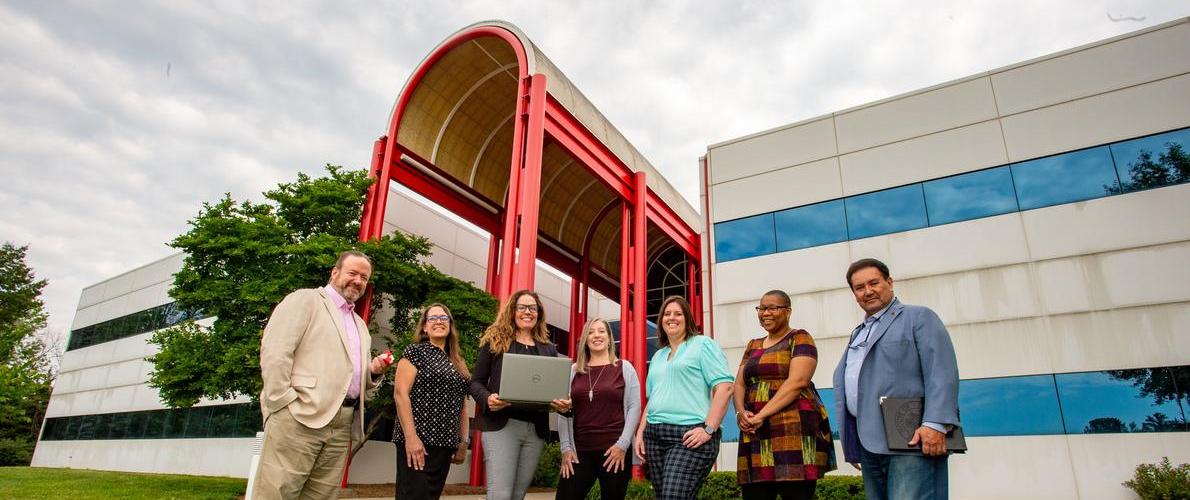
x: 242, y: 258
x: 25, y: 371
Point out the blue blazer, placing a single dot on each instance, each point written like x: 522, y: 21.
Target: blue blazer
x: 909, y: 355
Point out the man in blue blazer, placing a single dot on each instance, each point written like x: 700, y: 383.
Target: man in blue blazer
x: 899, y: 350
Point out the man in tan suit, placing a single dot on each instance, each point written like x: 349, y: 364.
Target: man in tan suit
x: 314, y: 361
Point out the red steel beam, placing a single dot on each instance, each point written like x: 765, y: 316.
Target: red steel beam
x: 529, y: 194
x: 639, y: 276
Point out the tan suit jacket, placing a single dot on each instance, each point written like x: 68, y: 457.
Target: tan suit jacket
x: 304, y: 361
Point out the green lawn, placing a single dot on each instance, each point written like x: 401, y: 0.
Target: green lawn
x: 77, y: 484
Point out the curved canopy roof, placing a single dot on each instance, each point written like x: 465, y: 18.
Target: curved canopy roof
x: 460, y: 119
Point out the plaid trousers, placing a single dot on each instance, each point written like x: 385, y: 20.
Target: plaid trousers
x: 677, y: 472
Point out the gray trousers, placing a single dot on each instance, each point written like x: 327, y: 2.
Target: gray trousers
x: 510, y: 458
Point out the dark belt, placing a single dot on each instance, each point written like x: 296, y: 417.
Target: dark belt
x: 350, y: 402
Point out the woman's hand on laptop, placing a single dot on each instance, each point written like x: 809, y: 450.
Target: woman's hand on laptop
x: 495, y: 403
x: 560, y: 405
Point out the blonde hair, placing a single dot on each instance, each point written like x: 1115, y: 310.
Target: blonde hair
x: 499, y: 335
x: 453, y: 351
x: 584, y: 352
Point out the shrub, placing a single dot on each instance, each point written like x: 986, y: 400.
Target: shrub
x: 16, y: 451
x: 723, y: 485
x: 547, y: 467
x: 719, y: 486
x: 840, y: 488
x: 1161, y: 481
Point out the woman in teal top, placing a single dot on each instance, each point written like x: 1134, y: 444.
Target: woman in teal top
x: 688, y: 388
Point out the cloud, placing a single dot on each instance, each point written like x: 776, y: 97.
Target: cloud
x: 106, y: 153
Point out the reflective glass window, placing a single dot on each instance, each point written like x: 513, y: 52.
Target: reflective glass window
x: 47, y: 429
x: 970, y: 196
x: 72, y: 427
x: 248, y: 422
x: 198, y: 421
x: 87, y: 427
x: 1065, y: 178
x: 731, y: 428
x: 812, y: 225
x: 136, y: 424
x: 883, y: 212
x: 175, y: 424
x: 119, y: 426
x: 223, y: 420
x: 1011, y: 406
x: 743, y: 238
x: 1153, y: 161
x: 1137, y: 400
x: 828, y: 400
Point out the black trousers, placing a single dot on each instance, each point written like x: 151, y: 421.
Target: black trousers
x: 612, y: 485
x: 788, y: 490
x: 425, y: 483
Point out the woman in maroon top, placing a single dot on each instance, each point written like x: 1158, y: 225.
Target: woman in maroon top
x: 597, y: 434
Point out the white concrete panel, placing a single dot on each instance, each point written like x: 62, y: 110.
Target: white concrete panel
x: 1024, y: 467
x: 1135, y: 337
x: 126, y: 373
x: 974, y: 244
x: 471, y: 246
x: 799, y: 271
x: 771, y: 150
x: 90, y: 296
x: 1063, y: 285
x: 779, y: 189
x: 470, y: 272
x: 830, y: 352
x: 93, y: 378
x: 85, y: 317
x: 982, y: 349
x: 1122, y: 114
x: 441, y: 258
x: 204, y: 457
x: 927, y: 157
x: 1103, y: 461
x: 727, y: 459
x: 949, y: 106
x: 1122, y: 63
x: 1007, y: 292
x: 1147, y: 275
x: 1127, y: 221
x: 145, y: 398
x: 112, y: 308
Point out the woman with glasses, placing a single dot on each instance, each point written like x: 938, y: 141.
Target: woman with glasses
x: 431, y: 385
x: 512, y: 436
x: 596, y: 436
x: 785, y: 439
x: 688, y: 388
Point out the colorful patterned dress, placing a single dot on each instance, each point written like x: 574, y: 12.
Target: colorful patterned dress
x: 795, y: 443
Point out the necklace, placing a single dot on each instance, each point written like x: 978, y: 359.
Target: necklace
x: 591, y: 385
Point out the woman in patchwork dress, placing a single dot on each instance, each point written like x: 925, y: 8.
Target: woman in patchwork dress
x: 785, y: 438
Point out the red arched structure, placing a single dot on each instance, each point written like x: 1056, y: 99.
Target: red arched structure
x: 488, y: 128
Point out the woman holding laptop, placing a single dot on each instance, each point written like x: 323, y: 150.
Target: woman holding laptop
x: 513, y: 435
x: 597, y: 436
x: 688, y: 388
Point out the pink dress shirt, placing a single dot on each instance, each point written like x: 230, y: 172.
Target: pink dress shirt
x: 346, y: 310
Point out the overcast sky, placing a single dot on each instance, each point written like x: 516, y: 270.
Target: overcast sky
x: 118, y: 119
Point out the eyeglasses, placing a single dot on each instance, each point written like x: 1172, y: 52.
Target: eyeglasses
x: 521, y: 308
x: 439, y: 319
x: 773, y: 309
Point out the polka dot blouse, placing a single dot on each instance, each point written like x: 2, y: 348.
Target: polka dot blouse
x: 437, y: 396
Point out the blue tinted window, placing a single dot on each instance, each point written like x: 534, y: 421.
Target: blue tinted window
x: 1154, y: 161
x: 812, y: 225
x: 828, y: 400
x: 731, y: 429
x: 970, y: 196
x: 1138, y: 400
x: 1065, y: 178
x: 1011, y: 406
x: 743, y: 238
x: 888, y: 211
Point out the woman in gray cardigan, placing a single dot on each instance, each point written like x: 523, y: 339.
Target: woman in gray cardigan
x: 597, y: 433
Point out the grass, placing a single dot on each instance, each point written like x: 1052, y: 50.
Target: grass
x: 78, y: 484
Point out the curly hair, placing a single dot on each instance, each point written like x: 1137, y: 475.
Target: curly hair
x: 452, y: 339
x: 499, y: 335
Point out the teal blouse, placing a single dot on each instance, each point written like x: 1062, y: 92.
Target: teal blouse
x: 679, y: 389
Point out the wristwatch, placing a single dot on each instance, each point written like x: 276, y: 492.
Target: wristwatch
x: 710, y: 430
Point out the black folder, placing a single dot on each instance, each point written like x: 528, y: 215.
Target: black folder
x: 902, y: 416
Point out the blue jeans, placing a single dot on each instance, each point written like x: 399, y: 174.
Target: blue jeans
x: 904, y: 477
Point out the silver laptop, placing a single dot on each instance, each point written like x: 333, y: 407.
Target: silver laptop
x: 534, y: 380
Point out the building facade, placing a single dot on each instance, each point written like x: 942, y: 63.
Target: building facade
x: 103, y: 415
x: 1040, y: 209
